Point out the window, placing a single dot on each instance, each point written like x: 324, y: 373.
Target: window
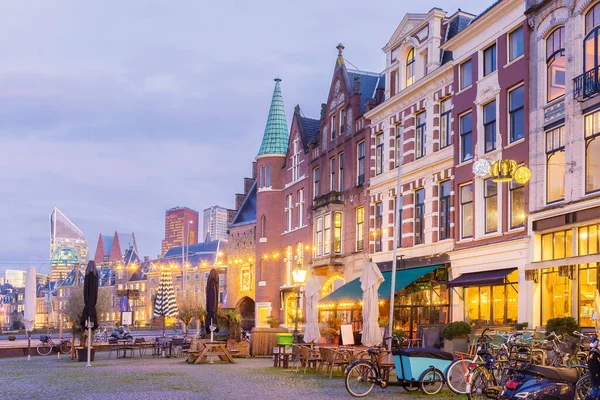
x: 419, y: 216
x: 319, y: 237
x: 516, y: 44
x: 444, y: 210
x: 263, y: 227
x: 332, y: 174
x: 268, y: 176
x: 261, y: 177
x: 557, y: 292
x: 466, y: 75
x: 360, y: 151
x: 342, y: 119
x: 399, y: 219
x: 557, y: 245
x: 496, y: 304
x: 410, y: 67
x: 517, y: 204
x: 555, y: 165
x: 445, y: 114
x: 379, y: 154
x: 466, y: 210
x: 592, y: 148
x: 316, y: 179
x: 337, y: 232
x: 378, y: 225
x: 489, y: 126
x: 333, y: 127
x: 556, y: 62
x: 327, y: 234
x: 466, y: 137
x: 489, y: 60
x: 290, y: 214
x: 490, y: 196
x: 341, y: 172
x: 587, y: 282
x: 360, y: 233
x: 397, y: 144
x: 420, y: 135
x: 296, y: 161
x: 300, y: 208
x: 592, y: 26
x: 587, y: 240
x: 517, y: 113
x: 393, y: 82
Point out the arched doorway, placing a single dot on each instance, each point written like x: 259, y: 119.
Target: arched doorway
x: 246, y: 308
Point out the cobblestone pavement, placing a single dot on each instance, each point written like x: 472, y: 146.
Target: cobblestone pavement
x: 151, y: 378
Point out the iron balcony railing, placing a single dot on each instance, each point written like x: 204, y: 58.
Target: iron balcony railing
x: 586, y: 85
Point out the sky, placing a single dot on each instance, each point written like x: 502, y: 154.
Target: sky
x: 114, y: 111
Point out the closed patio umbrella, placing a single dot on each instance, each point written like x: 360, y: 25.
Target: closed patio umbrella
x: 370, y: 280
x: 165, y: 304
x: 29, y: 307
x: 313, y: 295
x: 212, y: 299
x: 89, y: 317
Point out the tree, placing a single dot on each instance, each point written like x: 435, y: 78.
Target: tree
x: 189, y: 308
x: 74, y: 308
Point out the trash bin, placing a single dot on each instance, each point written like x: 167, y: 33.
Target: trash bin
x: 285, y: 338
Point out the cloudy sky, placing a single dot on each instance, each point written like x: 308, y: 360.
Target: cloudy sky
x: 114, y: 111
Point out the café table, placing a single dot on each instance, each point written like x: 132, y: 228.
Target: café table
x: 209, y: 350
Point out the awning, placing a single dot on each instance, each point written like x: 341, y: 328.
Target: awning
x: 495, y: 277
x: 352, y: 293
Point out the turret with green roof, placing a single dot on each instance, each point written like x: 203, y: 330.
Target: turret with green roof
x: 275, y: 138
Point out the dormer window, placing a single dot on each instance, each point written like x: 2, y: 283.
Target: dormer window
x: 410, y: 67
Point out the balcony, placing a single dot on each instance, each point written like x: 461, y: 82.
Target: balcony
x: 332, y: 197
x: 586, y: 85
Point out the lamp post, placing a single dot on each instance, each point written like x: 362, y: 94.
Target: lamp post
x: 299, y: 277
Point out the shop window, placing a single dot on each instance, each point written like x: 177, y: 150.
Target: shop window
x: 555, y: 165
x: 557, y: 245
x: 410, y: 67
x: 327, y: 234
x: 557, y: 291
x: 420, y: 135
x: 489, y: 60
x: 444, y: 210
x: 490, y: 194
x: 517, y: 204
x: 489, y: 126
x: 466, y: 74
x: 466, y: 137
x: 360, y: 226
x: 493, y: 305
x: 337, y: 233
x: 516, y: 44
x: 378, y: 226
x: 592, y: 27
x: 360, y: 167
x: 556, y: 61
x: 379, y: 154
x: 397, y: 144
x: 445, y: 116
x: 516, y: 110
x: 592, y: 148
x: 588, y: 282
x: 466, y: 210
x: 419, y: 216
x: 588, y: 240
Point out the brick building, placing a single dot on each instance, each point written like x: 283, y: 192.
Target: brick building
x: 175, y: 219
x: 115, y: 248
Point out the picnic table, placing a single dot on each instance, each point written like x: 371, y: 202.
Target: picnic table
x: 208, y: 350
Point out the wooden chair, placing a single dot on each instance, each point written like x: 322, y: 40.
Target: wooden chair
x: 331, y: 358
x: 309, y: 357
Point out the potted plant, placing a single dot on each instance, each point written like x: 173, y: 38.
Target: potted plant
x: 332, y: 332
x: 456, y: 336
x: 273, y: 321
x: 562, y: 326
x: 331, y: 335
x: 82, y: 351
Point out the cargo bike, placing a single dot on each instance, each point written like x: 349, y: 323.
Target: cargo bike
x: 418, y: 368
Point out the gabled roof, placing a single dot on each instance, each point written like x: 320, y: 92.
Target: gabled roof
x: 107, y: 242
x: 247, y: 212
x: 408, y: 23
x: 126, y: 241
x: 212, y: 246
x: 275, y: 138
x: 70, y: 279
x: 106, y: 277
x: 369, y: 83
x: 308, y: 127
x: 494, y: 4
x: 130, y: 257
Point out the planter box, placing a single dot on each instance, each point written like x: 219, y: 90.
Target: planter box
x: 82, y: 354
x: 453, y: 345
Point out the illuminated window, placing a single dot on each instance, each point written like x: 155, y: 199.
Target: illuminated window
x: 556, y: 61
x: 410, y: 67
x: 378, y: 226
x: 490, y: 195
x: 337, y: 232
x: 587, y: 284
x: 517, y: 204
x: 319, y: 236
x: 557, y: 245
x: 557, y: 291
x: 555, y: 165
x: 587, y: 240
x: 466, y: 210
x: 360, y: 233
x: 327, y: 234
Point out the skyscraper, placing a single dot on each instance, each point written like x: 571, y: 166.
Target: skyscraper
x: 174, y: 226
x: 63, y: 232
x: 15, y: 277
x: 216, y: 221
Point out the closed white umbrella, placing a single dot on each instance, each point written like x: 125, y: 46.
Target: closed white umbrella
x: 313, y: 295
x: 29, y: 307
x: 370, y: 280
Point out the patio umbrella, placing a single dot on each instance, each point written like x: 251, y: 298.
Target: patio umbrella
x: 313, y: 295
x: 89, y: 317
x: 370, y: 280
x: 165, y: 304
x: 212, y: 299
x: 29, y: 306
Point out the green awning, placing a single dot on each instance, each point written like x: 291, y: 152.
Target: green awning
x: 352, y: 293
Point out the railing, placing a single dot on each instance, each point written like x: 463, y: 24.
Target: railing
x: 331, y: 197
x: 586, y: 85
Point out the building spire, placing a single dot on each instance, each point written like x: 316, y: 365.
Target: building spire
x: 275, y: 138
x: 340, y: 58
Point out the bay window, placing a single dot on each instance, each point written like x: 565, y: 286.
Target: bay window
x: 327, y: 234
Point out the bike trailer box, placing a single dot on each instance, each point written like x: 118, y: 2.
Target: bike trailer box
x: 411, y: 363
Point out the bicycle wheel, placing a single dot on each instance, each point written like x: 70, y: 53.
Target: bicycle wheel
x: 65, y: 347
x: 44, y: 349
x: 456, y: 376
x: 583, y: 387
x: 480, y: 380
x: 361, y: 378
x: 432, y: 381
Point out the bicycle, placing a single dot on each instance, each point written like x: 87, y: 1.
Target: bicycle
x: 100, y: 336
x: 47, y: 345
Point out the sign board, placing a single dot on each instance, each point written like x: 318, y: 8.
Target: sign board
x: 127, y: 318
x: 347, y: 335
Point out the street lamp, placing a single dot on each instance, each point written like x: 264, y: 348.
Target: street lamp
x: 299, y: 277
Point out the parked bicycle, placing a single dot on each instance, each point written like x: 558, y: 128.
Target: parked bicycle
x: 47, y: 345
x: 100, y: 336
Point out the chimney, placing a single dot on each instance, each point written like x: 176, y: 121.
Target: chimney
x: 356, y: 84
x: 323, y: 110
x: 248, y: 182
x: 371, y: 104
x: 239, y: 199
x: 254, y: 170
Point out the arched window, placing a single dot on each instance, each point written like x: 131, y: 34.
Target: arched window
x: 267, y: 176
x: 555, y: 60
x: 263, y: 226
x: 261, y: 177
x: 590, y: 45
x: 410, y: 67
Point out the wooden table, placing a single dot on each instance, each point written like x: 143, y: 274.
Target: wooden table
x: 211, y: 349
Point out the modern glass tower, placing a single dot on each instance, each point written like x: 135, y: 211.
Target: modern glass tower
x: 64, y: 233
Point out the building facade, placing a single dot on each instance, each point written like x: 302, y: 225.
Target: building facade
x: 216, y: 222
x: 63, y: 232
x: 180, y: 223
x: 15, y: 277
x: 115, y: 248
